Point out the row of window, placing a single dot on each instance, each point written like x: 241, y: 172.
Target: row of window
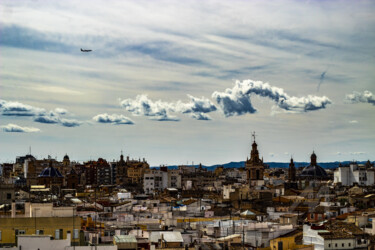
x: 58, y: 233
x: 343, y: 245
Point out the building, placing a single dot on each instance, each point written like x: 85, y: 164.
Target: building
x: 160, y: 179
x: 51, y: 177
x: 57, y: 227
x: 313, y: 171
x: 121, y: 171
x: 347, y: 175
x: 135, y: 170
x: 255, y: 167
x: 104, y: 176
x: 72, y: 179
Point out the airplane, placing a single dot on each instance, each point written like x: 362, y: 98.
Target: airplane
x: 86, y: 50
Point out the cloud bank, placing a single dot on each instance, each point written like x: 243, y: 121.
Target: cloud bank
x: 13, y: 128
x: 357, y: 97
x: 237, y: 100
x: 9, y: 108
x: 161, y: 111
x: 234, y: 101
x: 112, y: 119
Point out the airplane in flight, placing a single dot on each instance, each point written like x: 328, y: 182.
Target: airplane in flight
x: 86, y: 50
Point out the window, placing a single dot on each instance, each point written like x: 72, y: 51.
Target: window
x: 57, y: 234
x: 349, y: 244
x: 9, y: 196
x: 39, y: 232
x: 0, y: 235
x: 343, y: 244
x: 329, y: 245
x: 311, y: 216
x: 336, y: 245
x: 21, y: 232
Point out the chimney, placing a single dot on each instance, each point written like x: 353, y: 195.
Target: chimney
x: 13, y: 214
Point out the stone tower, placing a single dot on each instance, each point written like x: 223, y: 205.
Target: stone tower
x: 254, y: 166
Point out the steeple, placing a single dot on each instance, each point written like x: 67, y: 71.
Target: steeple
x: 292, y: 171
x: 254, y: 154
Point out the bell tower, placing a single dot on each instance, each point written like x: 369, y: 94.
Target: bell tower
x: 254, y: 166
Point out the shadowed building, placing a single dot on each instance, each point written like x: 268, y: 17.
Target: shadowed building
x: 313, y: 171
x: 50, y: 177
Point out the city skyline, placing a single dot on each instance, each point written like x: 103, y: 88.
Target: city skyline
x: 177, y: 82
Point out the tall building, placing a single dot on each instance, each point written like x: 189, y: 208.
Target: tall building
x: 361, y: 174
x: 254, y: 166
x: 103, y: 172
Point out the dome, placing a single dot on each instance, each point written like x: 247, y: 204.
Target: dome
x: 50, y: 172
x: 66, y: 158
x: 314, y: 171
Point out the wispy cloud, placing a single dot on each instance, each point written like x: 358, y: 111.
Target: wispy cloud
x: 13, y: 128
x: 357, y: 153
x: 357, y: 97
x: 353, y: 121
x: 113, y: 119
x: 56, y: 116
x: 237, y: 100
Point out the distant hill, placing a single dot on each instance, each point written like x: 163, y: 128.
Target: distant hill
x: 240, y: 164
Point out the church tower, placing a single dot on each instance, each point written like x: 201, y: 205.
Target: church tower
x: 254, y: 166
x: 292, y: 171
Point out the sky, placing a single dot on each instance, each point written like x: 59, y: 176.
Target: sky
x: 182, y: 82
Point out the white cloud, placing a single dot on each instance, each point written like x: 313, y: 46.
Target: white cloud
x: 365, y: 97
x: 18, y: 129
x: 237, y: 100
x: 112, y: 119
x: 353, y: 121
x: 161, y: 111
x: 19, y: 109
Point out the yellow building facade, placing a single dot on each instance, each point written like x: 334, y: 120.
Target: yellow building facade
x: 56, y: 227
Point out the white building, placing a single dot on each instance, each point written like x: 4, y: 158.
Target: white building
x: 158, y: 180
x: 324, y: 239
x: 354, y: 173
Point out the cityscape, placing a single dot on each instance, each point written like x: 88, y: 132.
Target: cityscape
x: 126, y: 204
x: 200, y: 125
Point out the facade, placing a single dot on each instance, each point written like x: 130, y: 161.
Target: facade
x: 135, y: 171
x: 347, y: 175
x: 104, y: 176
x: 255, y: 167
x: 56, y: 227
x: 160, y: 179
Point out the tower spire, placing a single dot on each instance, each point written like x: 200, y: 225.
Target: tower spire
x: 253, y: 135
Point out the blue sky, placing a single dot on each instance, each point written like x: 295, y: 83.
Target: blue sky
x: 187, y: 81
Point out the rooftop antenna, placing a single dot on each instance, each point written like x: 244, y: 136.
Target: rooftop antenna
x: 29, y: 150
